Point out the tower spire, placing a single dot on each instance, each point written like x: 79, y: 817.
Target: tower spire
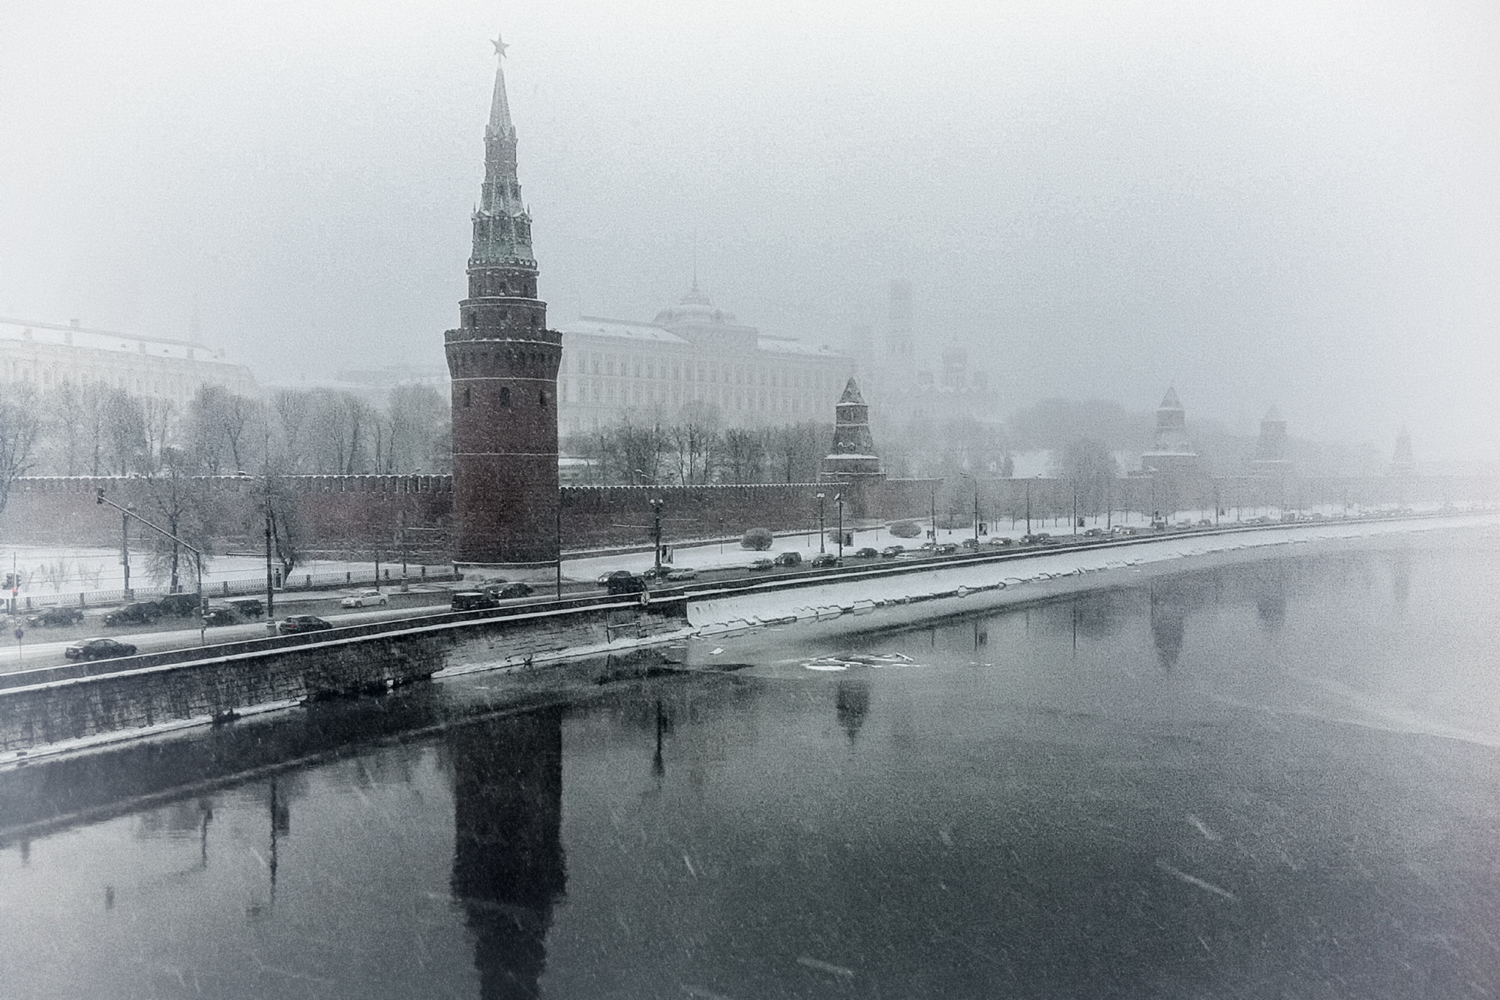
x: 502, y: 226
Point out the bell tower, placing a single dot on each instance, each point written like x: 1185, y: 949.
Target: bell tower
x: 503, y: 362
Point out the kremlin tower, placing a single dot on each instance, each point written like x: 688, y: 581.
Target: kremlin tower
x: 503, y: 361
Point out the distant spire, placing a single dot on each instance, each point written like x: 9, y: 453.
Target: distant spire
x: 1170, y: 400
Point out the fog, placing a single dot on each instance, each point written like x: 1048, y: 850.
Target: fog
x: 1259, y: 203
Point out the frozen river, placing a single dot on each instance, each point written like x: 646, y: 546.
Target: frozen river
x: 1279, y: 778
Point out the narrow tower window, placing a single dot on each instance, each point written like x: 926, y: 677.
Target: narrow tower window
x: 544, y: 399
x: 468, y: 396
x: 505, y: 397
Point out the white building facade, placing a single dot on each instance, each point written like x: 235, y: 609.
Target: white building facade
x: 691, y: 355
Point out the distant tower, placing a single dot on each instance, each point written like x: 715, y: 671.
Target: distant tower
x: 899, y: 342
x: 1402, y: 463
x: 1171, y: 451
x: 1270, y: 450
x: 853, y: 452
x: 503, y: 361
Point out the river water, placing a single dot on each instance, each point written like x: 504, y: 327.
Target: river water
x: 1272, y: 779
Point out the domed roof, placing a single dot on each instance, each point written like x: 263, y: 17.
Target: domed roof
x: 695, y: 307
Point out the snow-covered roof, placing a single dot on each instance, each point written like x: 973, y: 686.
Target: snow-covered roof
x: 594, y: 326
x: 103, y: 340
x: 783, y: 345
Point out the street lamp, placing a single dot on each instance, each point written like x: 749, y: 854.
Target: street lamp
x: 976, y: 507
x: 656, y: 505
x: 839, y: 499
x: 821, y: 530
x: 100, y: 498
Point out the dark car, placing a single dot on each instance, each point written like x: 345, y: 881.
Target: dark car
x: 178, y: 604
x: 946, y: 549
x: 762, y: 564
x: 473, y: 600
x: 1001, y: 542
x: 789, y: 559
x: 629, y: 583
x: 867, y: 553
x: 219, y: 614
x: 98, y: 649
x: 823, y: 559
x: 140, y: 613
x: 56, y: 616
x: 655, y: 572
x: 298, y: 624
x: 892, y: 551
x: 250, y: 607
x: 511, y: 591
x: 970, y: 543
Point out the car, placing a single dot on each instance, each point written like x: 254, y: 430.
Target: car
x: 511, y: 591
x: 824, y: 559
x: 297, y: 624
x: 1204, y: 522
x: 1094, y: 533
x: 618, y: 574
x: 56, y: 616
x: 970, y: 543
x: 250, y: 607
x: 219, y: 614
x: 1001, y: 542
x: 179, y: 604
x: 762, y: 564
x: 946, y: 549
x: 364, y: 599
x: 685, y: 573
x: 628, y: 583
x: 1049, y: 540
x: 655, y: 572
x: 867, y: 553
x: 789, y: 559
x: 98, y: 649
x: 892, y: 551
x: 135, y: 613
x: 473, y: 600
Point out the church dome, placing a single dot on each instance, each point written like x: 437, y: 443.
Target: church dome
x: 695, y: 307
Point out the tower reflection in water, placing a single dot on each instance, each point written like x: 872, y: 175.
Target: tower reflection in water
x: 508, y: 866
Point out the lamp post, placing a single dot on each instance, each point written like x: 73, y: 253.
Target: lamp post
x: 821, y: 530
x: 656, y: 505
x: 976, y: 507
x: 100, y: 498
x: 1028, y: 506
x: 932, y: 497
x: 839, y: 499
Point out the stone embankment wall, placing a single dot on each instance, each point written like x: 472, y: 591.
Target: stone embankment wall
x: 80, y: 701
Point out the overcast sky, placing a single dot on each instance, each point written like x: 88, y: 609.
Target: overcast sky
x: 1261, y: 203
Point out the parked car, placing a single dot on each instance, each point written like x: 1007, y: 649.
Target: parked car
x: 365, y: 599
x: 628, y: 583
x: 1094, y: 533
x: 946, y: 549
x: 892, y: 551
x: 824, y: 559
x: 970, y: 543
x: 1001, y: 541
x: 511, y: 591
x: 98, y: 649
x: 867, y: 553
x: 297, y: 624
x: 179, y: 604
x: 762, y: 564
x: 789, y: 559
x: 138, y: 613
x: 473, y: 600
x: 56, y: 616
x: 220, y: 614
x: 250, y: 607
x: 619, y: 574
x: 685, y: 573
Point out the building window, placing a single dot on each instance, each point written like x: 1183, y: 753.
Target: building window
x: 504, y: 396
x: 543, y: 401
x: 468, y: 396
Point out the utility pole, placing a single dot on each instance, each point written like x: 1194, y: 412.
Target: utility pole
x: 1075, y: 507
x: 100, y: 498
x: 559, y: 548
x: 976, y: 515
x: 932, y: 495
x: 1028, y: 506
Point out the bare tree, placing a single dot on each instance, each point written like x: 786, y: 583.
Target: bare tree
x: 19, y: 429
x: 176, y: 502
x: 124, y: 431
x: 292, y: 412
x: 743, y: 455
